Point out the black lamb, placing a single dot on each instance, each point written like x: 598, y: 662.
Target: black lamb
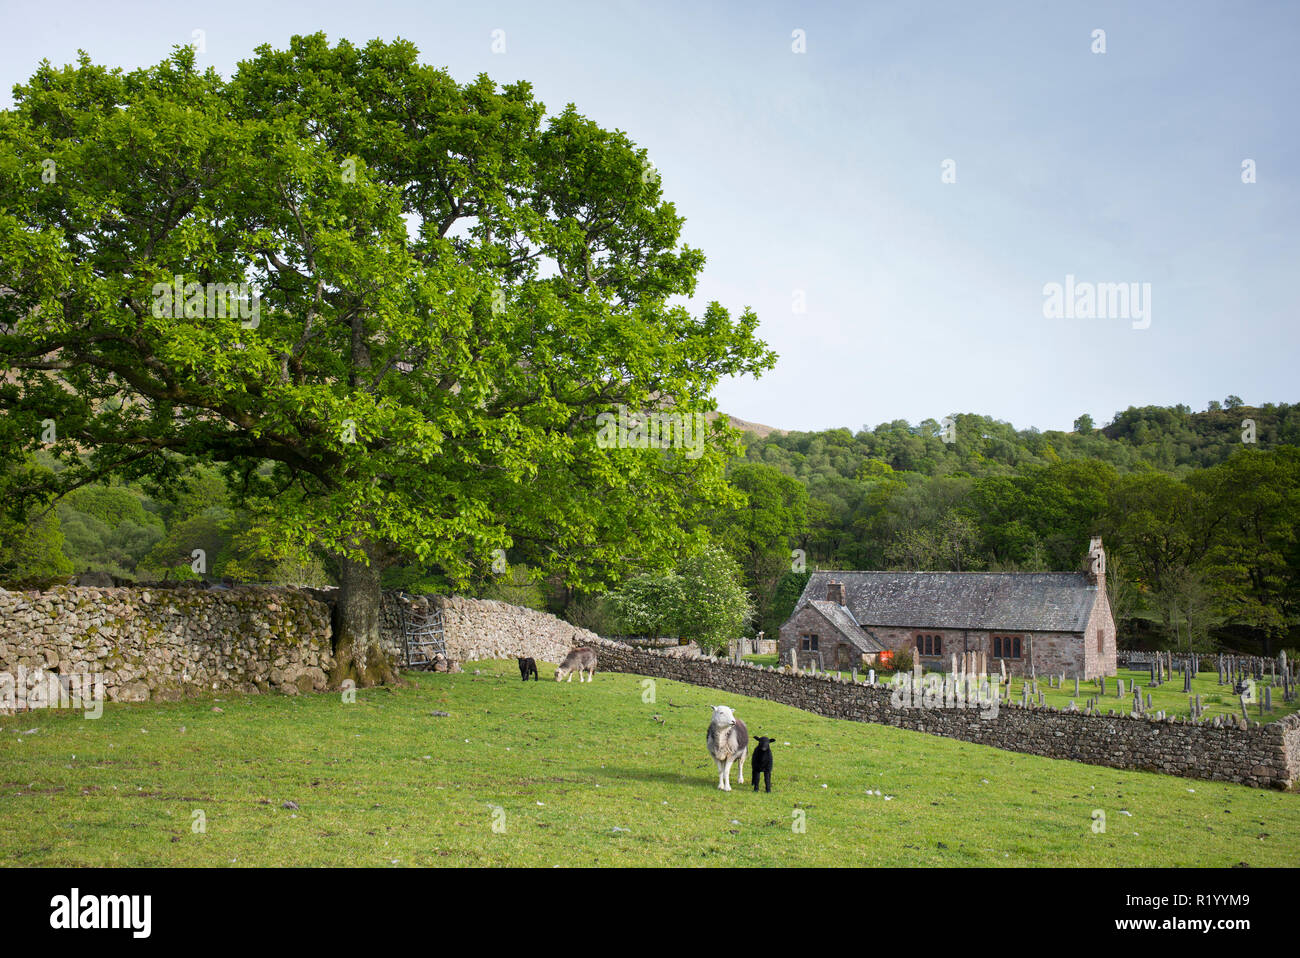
x: 763, y: 762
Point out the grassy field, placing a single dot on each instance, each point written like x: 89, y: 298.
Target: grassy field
x: 577, y: 774
x: 1215, y: 699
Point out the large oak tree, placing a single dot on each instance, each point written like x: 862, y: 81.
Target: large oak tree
x: 452, y: 285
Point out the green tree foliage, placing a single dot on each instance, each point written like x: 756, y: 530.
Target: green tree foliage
x: 715, y: 607
x: 451, y: 290
x: 703, y: 600
x: 208, y: 533
x: 109, y: 528
x: 594, y: 612
x: 760, y: 531
x: 1199, y: 522
x: 517, y: 586
x: 784, y: 597
x: 649, y: 604
x: 31, y: 541
x: 1253, y: 559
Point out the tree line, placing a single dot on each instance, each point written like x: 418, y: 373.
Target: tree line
x: 1200, y: 524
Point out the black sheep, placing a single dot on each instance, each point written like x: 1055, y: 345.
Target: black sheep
x: 763, y: 762
x: 528, y: 667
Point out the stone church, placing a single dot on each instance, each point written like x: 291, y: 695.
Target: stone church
x: 1043, y: 622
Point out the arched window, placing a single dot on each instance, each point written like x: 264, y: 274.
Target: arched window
x: 928, y: 643
x: 1006, y: 646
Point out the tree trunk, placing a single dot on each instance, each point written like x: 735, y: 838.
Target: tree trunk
x: 357, y: 654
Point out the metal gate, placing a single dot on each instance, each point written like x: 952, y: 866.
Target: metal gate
x: 422, y: 634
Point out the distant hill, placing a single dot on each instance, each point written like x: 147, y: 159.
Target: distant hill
x: 744, y: 425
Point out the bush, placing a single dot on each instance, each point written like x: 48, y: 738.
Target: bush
x: 592, y: 612
x: 519, y: 587
x: 903, y: 660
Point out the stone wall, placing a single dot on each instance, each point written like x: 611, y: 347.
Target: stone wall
x: 1261, y: 756
x: 488, y: 629
x: 152, y: 643
x: 166, y: 643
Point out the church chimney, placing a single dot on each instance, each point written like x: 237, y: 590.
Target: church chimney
x: 835, y: 592
x: 1096, y: 561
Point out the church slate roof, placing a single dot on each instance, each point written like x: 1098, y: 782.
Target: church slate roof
x: 999, y: 601
x: 842, y: 619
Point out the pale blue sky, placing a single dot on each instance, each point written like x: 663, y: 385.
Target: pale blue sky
x: 821, y: 171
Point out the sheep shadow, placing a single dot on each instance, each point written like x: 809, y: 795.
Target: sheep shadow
x: 704, y: 779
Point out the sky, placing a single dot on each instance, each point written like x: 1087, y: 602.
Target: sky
x: 895, y: 200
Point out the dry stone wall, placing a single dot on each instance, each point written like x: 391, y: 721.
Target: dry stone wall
x: 166, y: 643
x: 488, y: 629
x: 1261, y: 756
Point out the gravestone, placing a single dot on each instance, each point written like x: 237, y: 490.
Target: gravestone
x: 871, y: 676
x: 1076, y: 686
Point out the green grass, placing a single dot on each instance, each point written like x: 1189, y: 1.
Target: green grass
x: 584, y: 774
x: 1216, y: 699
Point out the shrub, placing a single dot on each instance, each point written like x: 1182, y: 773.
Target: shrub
x: 592, y: 612
x: 517, y: 587
x: 903, y: 660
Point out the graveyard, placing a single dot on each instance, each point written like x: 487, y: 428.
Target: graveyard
x: 1205, y: 694
x: 1161, y: 689
x: 478, y: 768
